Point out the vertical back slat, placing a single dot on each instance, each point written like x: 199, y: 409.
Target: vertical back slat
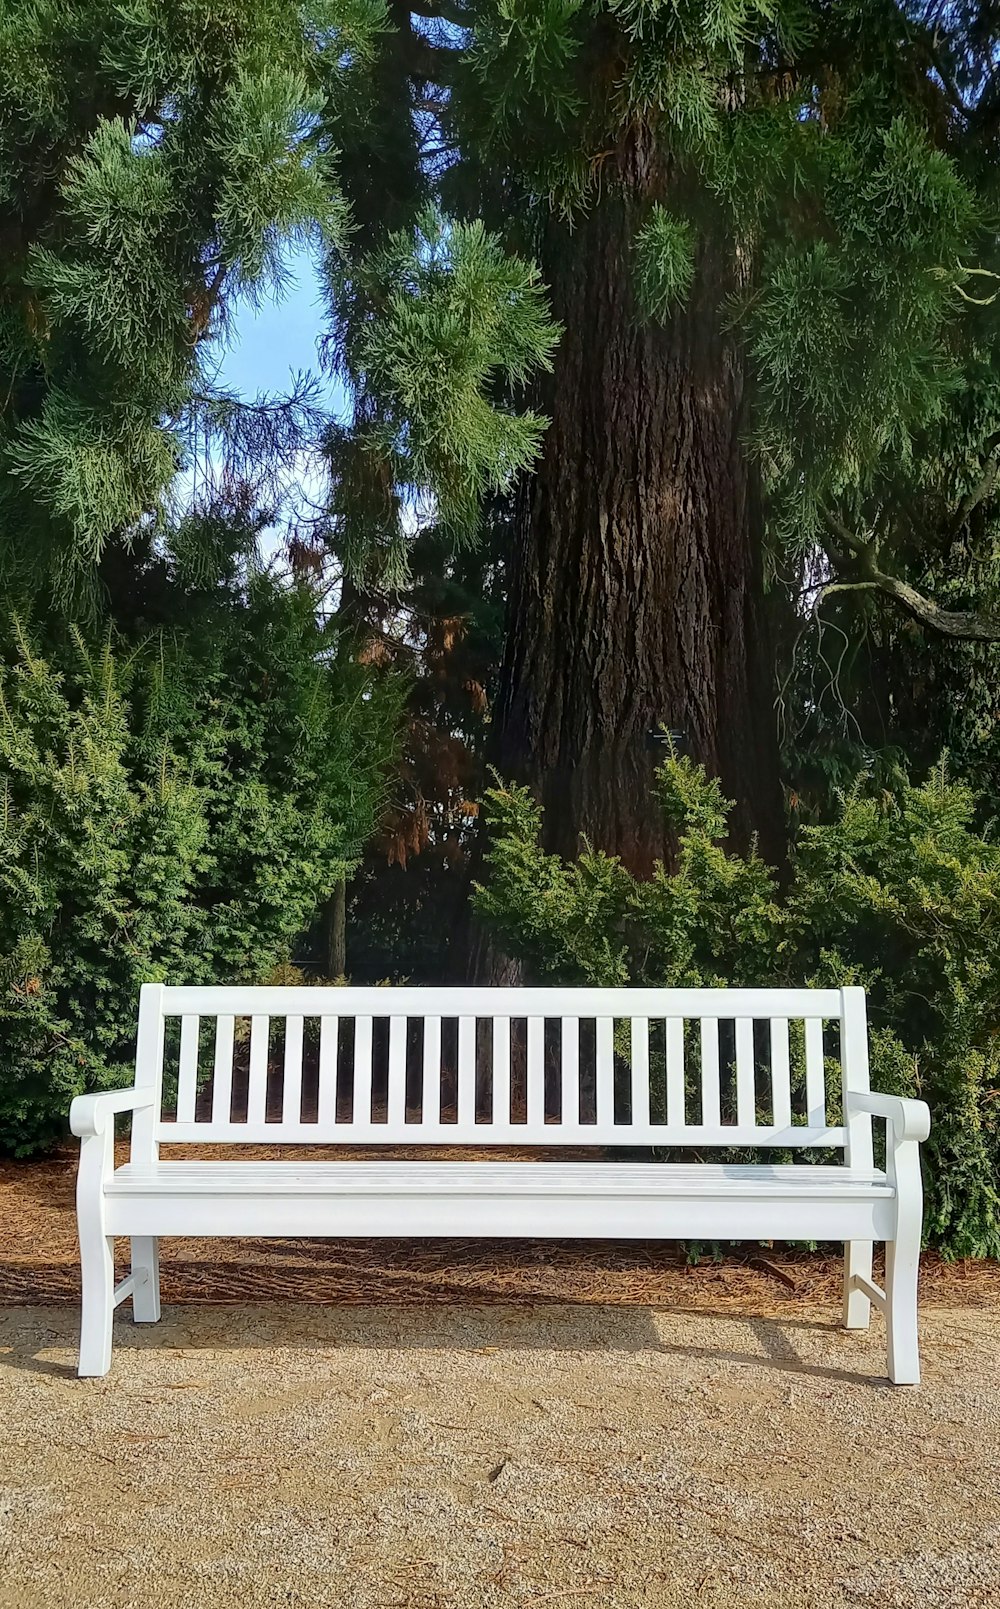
x: 640, y: 1069
x: 570, y: 1066
x: 222, y: 1086
x: 536, y: 1073
x: 711, y: 1101
x: 260, y: 1033
x: 781, y: 1078
x: 675, y: 1071
x: 815, y: 1074
x: 395, y: 1111
x: 430, y: 1108
x: 187, y: 1069
x: 855, y: 1074
x: 148, y: 1073
x: 362, y: 1113
x: 291, y: 1086
x: 467, y: 1071
x: 501, y: 1070
x: 605, y: 1069
x: 746, y: 1096
x: 329, y: 1034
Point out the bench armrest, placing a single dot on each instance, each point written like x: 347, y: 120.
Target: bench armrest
x: 908, y: 1119
x: 90, y: 1114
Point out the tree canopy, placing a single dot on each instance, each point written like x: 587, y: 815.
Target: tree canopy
x: 668, y: 338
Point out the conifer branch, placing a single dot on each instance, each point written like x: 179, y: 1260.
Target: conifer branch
x: 966, y: 625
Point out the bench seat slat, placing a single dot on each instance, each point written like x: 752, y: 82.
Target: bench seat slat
x: 560, y: 1178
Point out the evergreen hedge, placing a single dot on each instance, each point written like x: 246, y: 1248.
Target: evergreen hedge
x: 899, y: 893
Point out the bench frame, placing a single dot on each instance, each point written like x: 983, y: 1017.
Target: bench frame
x: 528, y: 1198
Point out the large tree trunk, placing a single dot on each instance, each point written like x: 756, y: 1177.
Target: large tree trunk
x: 637, y: 592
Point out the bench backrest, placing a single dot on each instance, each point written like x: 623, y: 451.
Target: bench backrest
x: 452, y: 1066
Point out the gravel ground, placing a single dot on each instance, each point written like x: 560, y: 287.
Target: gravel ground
x: 380, y: 1456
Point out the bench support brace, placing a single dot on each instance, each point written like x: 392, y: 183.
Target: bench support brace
x: 123, y: 1290
x: 871, y: 1291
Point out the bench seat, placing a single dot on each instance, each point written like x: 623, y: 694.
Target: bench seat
x: 531, y: 1199
x: 654, y: 1180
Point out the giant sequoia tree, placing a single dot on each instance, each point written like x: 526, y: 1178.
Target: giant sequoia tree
x: 692, y: 304
x: 708, y: 278
x: 766, y: 231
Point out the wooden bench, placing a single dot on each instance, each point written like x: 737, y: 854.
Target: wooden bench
x: 619, y: 1070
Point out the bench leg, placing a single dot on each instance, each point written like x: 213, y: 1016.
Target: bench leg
x: 146, y: 1272
x: 97, y: 1264
x: 902, y: 1266
x: 857, y: 1306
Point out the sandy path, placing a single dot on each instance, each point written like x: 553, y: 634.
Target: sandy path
x: 429, y: 1457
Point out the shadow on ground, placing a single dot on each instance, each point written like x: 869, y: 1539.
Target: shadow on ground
x: 233, y: 1329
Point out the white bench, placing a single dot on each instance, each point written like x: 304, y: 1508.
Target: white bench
x: 607, y: 1068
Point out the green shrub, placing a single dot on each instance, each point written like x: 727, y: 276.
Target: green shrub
x: 170, y: 811
x: 900, y: 894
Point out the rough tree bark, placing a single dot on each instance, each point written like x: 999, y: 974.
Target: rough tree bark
x: 335, y: 933
x: 637, y: 596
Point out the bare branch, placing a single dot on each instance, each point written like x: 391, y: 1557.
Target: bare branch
x: 983, y: 488
x: 966, y: 625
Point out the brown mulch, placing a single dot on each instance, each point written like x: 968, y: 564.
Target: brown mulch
x: 39, y: 1262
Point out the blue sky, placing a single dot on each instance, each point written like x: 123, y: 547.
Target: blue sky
x: 265, y: 348
x: 269, y: 343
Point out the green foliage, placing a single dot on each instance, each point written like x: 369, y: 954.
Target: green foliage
x: 155, y: 162
x: 664, y: 250
x: 899, y: 893
x: 457, y: 321
x: 176, y: 809
x: 852, y: 329
x: 278, y: 188
x: 550, y: 83
x: 840, y: 198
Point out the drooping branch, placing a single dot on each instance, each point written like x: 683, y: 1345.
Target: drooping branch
x: 967, y: 625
